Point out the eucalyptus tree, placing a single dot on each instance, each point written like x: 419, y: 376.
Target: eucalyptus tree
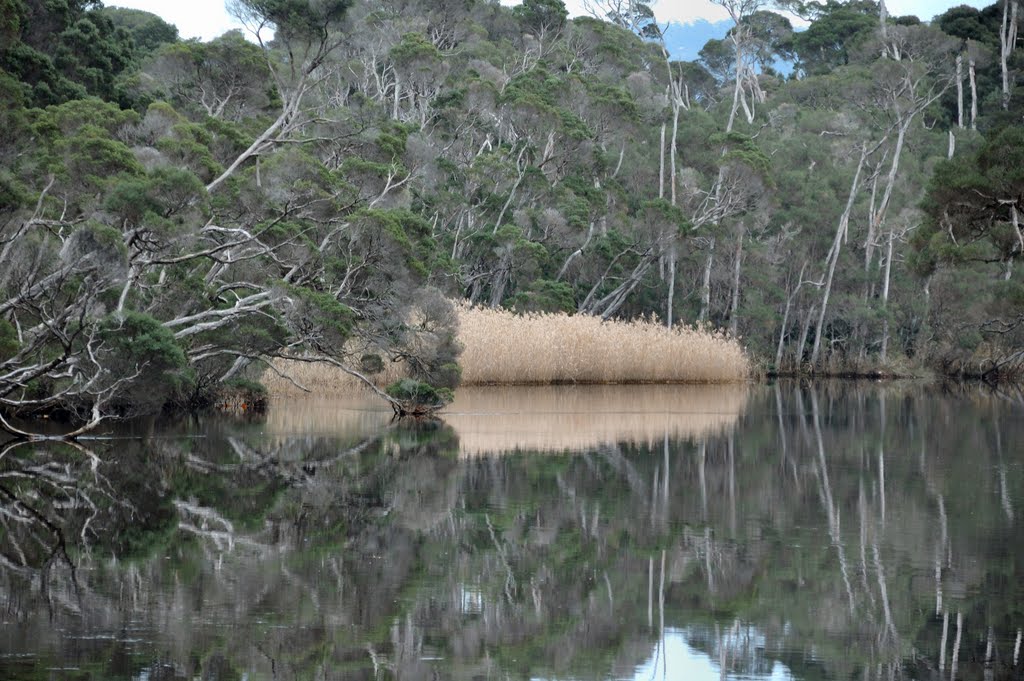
x: 224, y: 78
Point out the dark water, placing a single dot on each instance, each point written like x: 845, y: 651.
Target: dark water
x: 781, y: 532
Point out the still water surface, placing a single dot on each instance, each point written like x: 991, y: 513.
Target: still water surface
x: 833, y: 531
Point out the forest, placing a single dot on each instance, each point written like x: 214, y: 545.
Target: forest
x: 840, y: 188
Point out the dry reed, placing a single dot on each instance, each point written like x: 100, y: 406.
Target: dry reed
x: 504, y: 348
x: 501, y: 347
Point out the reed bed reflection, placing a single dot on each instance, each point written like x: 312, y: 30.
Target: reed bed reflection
x: 561, y: 418
x: 492, y: 420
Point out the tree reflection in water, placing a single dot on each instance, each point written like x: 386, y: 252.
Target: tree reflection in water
x: 827, y: 532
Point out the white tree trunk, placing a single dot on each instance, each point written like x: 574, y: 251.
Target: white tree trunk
x: 833, y: 258
x: 960, y: 91
x: 737, y: 265
x: 885, y: 300
x: 705, y: 289
x: 972, y: 77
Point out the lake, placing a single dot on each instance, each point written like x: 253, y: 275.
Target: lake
x: 788, y: 531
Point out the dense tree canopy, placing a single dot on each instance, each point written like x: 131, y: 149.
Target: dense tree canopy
x: 325, y: 194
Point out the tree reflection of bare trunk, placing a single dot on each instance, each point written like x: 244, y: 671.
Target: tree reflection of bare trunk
x: 723, y: 660
x: 655, y: 484
x: 862, y: 514
x: 826, y: 499
x: 1004, y: 495
x: 707, y: 560
x: 650, y: 592
x: 944, y: 529
x: 883, y: 589
x: 989, y: 653
x: 701, y: 464
x: 661, y: 614
x: 732, y: 483
x: 881, y: 483
x: 1016, y: 647
x: 611, y: 596
x: 956, y: 645
x: 881, y: 455
x: 942, y: 643
x: 664, y: 485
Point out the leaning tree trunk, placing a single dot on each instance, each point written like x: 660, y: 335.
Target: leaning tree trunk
x: 833, y: 254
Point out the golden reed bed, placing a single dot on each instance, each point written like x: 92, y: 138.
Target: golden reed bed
x: 535, y: 418
x: 503, y: 348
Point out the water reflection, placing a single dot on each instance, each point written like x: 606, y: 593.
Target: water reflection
x: 827, y: 532
x: 537, y: 418
x: 575, y: 418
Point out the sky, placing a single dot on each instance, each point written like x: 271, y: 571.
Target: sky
x: 207, y: 19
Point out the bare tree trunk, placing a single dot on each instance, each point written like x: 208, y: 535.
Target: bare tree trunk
x: 885, y: 300
x: 1007, y: 43
x: 952, y: 146
x: 705, y: 289
x: 972, y: 76
x: 735, y: 91
x: 673, y: 256
x: 782, y: 332
x: 661, y: 170
x: 671, y: 285
x: 844, y: 220
x: 798, y: 353
x: 960, y: 91
x: 737, y: 265
x: 672, y: 149
x: 878, y: 218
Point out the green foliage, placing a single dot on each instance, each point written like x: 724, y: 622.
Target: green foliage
x: 63, y: 50
x: 8, y: 340
x: 139, y: 340
x: 159, y: 194
x: 417, y: 394
x: 414, y: 50
x: 543, y: 295
x: 837, y: 29
x: 138, y: 349
x: 148, y: 31
x: 542, y: 16
x: 298, y: 20
x: 319, y: 319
